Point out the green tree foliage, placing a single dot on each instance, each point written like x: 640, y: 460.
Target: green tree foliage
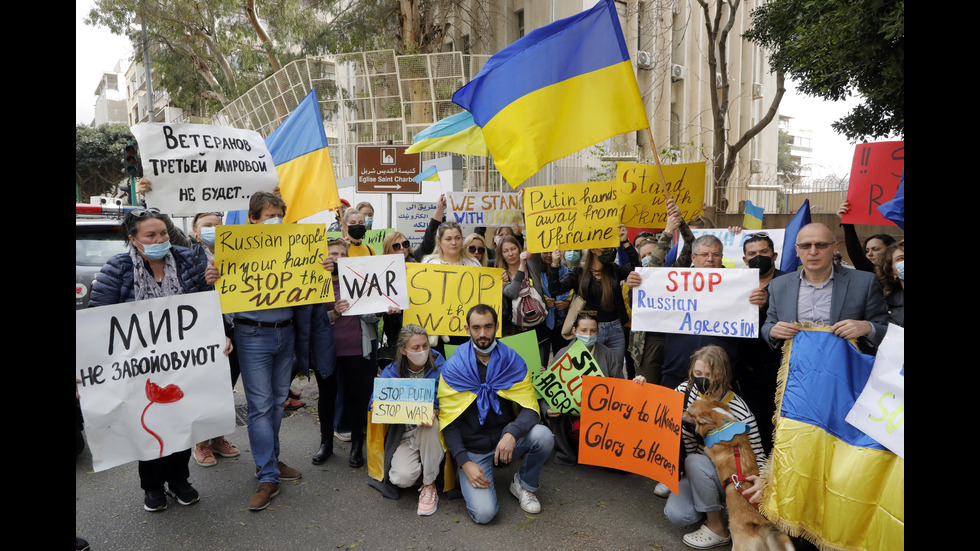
x: 98, y: 158
x: 836, y: 48
x: 210, y: 51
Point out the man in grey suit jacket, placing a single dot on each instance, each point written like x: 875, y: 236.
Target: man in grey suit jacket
x: 849, y: 300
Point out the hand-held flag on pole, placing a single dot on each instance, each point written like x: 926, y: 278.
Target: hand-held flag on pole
x: 299, y: 151
x: 561, y: 88
x: 455, y: 133
x: 789, y: 260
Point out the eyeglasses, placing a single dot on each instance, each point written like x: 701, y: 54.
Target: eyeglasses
x: 141, y: 212
x: 819, y: 245
x: 704, y: 255
x: 398, y: 246
x: 474, y: 249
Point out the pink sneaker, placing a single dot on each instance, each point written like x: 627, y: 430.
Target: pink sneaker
x: 428, y: 500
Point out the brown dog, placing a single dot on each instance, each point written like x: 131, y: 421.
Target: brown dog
x: 750, y: 530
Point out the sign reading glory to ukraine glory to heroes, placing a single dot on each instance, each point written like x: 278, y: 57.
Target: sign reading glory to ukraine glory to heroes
x: 203, y: 168
x: 263, y: 266
x: 153, y: 377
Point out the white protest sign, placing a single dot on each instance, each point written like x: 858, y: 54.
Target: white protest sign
x: 879, y: 411
x: 732, y: 251
x: 412, y: 219
x: 485, y: 208
x: 696, y: 301
x: 154, y: 377
x: 203, y: 168
x: 371, y: 284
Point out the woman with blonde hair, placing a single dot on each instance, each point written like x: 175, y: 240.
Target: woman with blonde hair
x: 449, y: 247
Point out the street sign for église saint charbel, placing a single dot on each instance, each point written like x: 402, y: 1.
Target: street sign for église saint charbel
x: 387, y: 169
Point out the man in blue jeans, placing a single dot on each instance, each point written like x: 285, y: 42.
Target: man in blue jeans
x: 489, y: 416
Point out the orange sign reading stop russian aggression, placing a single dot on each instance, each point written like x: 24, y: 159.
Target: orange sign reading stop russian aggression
x: 631, y: 427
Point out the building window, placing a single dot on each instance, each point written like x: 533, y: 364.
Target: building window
x: 520, y: 23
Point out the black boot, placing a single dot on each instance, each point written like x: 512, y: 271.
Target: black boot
x: 325, y: 451
x: 356, y: 460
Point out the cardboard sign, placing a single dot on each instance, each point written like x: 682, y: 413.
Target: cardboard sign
x: 264, y: 266
x: 631, y: 427
x: 525, y: 344
x: 371, y: 284
x: 403, y: 400
x: 203, y: 168
x: 441, y: 295
x: 571, y: 216
x: 879, y: 411
x: 642, y: 195
x: 485, y: 208
x: 154, y: 377
x: 697, y: 301
x: 412, y: 219
x: 875, y: 175
x: 561, y: 384
x: 732, y: 250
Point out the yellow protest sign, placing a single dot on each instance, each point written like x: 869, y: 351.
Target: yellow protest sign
x: 439, y: 296
x: 571, y: 216
x: 642, y: 197
x: 264, y: 266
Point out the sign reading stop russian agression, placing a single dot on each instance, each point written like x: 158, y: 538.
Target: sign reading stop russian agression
x: 387, y: 169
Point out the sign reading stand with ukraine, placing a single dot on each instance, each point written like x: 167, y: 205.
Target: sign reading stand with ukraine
x: 561, y: 88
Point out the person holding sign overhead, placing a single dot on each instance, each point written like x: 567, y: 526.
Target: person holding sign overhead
x: 153, y: 268
x: 412, y: 452
x: 489, y: 416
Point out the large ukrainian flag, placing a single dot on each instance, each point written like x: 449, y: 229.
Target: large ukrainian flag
x: 562, y: 87
x: 299, y: 150
x: 828, y: 481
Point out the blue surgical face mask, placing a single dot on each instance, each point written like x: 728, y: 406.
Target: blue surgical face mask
x: 488, y: 349
x: 587, y: 340
x: 647, y: 261
x: 572, y: 257
x: 368, y: 220
x: 155, y: 251
x: 900, y: 268
x: 275, y: 220
x: 207, y: 235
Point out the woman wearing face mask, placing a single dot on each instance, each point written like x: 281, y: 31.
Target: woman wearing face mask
x: 701, y: 497
x: 354, y: 232
x: 152, y: 268
x: 891, y: 274
x: 598, y: 283
x: 411, y: 452
x: 565, y: 427
x: 367, y: 210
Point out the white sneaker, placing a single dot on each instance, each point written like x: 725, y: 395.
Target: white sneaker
x: 529, y: 501
x: 661, y: 490
x: 428, y: 500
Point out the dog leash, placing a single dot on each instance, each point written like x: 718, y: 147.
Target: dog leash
x: 737, y: 478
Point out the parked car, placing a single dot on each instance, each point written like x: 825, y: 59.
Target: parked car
x: 97, y: 239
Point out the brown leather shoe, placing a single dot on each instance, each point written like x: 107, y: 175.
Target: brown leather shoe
x: 263, y: 495
x: 288, y: 473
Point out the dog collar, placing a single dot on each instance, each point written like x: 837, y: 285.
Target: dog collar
x: 724, y: 433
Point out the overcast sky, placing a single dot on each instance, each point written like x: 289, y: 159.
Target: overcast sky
x: 97, y: 50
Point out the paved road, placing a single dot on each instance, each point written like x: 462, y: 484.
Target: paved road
x: 332, y: 507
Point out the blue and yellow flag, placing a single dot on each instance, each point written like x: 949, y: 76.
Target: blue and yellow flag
x: 788, y: 259
x: 753, y: 217
x: 561, y: 88
x: 828, y: 481
x: 299, y: 150
x: 456, y: 134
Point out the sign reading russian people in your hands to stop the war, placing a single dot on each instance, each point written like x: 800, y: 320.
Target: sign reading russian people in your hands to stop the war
x: 642, y: 195
x: 561, y: 384
x: 153, y: 377
x: 876, y: 173
x: 264, y: 266
x: 485, y: 208
x: 203, y: 168
x: 372, y: 284
x: 440, y: 296
x: 403, y: 400
x: 571, y: 216
x: 697, y: 301
x: 631, y: 427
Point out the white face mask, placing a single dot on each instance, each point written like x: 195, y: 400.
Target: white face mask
x: 417, y: 359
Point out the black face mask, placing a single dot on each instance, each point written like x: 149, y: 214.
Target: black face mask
x: 702, y: 384
x: 763, y: 263
x: 608, y: 257
x: 357, y: 231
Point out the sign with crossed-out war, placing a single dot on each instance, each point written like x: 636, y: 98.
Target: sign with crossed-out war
x: 371, y: 284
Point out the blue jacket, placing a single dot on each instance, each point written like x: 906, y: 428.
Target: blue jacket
x: 391, y: 372
x: 114, y: 284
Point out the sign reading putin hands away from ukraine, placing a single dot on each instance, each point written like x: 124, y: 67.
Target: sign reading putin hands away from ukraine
x: 153, y: 377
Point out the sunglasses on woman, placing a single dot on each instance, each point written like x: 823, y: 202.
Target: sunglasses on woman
x: 398, y: 246
x: 474, y: 249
